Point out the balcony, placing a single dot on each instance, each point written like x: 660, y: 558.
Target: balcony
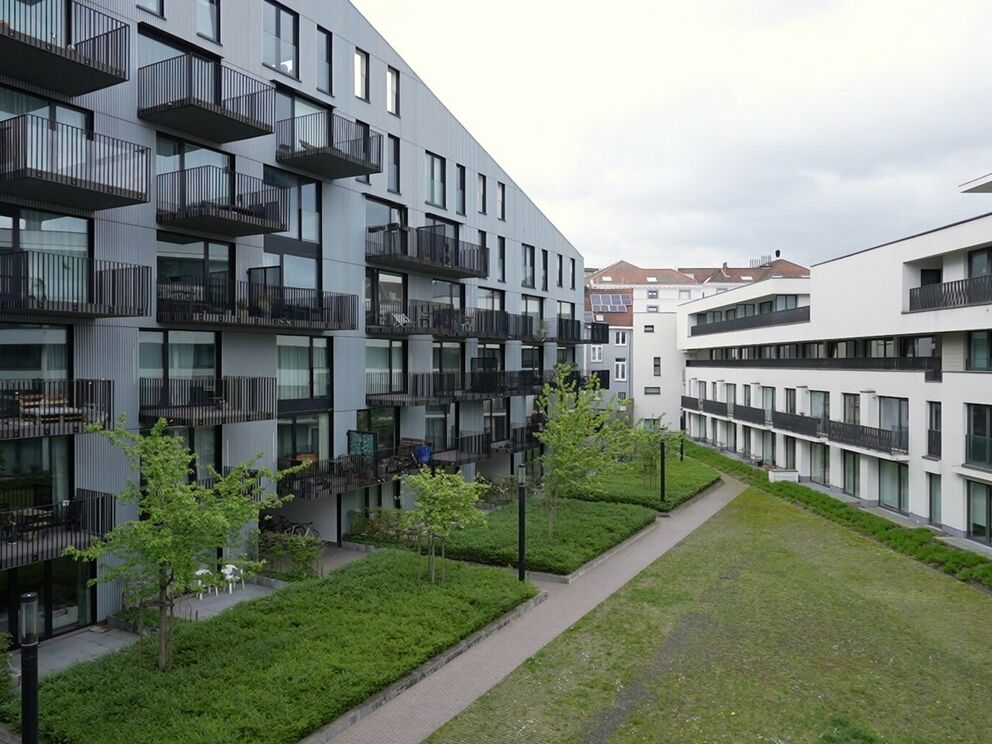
x: 463, y: 449
x: 933, y: 443
x: 328, y: 146
x: 206, y: 401
x: 748, y: 413
x: 43, y: 283
x: 64, y: 165
x: 329, y: 477
x: 690, y: 403
x: 33, y: 532
x: 498, y: 325
x: 976, y: 290
x: 523, y: 438
x: 928, y: 365
x: 794, y: 422
x: 868, y: 437
x: 65, y: 47
x: 416, y: 317
x: 715, y: 407
x: 426, y: 250
x: 52, y: 408
x: 978, y: 450
x: 526, y: 382
x: 215, y: 200
x: 762, y: 320
x: 205, y: 98
x: 218, y: 301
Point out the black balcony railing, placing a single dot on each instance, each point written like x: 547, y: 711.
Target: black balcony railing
x: 217, y: 200
x: 329, y: 477
x: 416, y: 317
x: 501, y: 325
x: 524, y: 438
x: 976, y: 290
x: 691, y: 403
x: 596, y: 333
x: 36, y: 532
x: 44, y: 283
x: 797, y: 423
x: 933, y: 443
x: 207, y: 401
x: 749, y: 413
x: 569, y: 331
x: 427, y: 250
x: 526, y: 381
x: 205, y: 98
x: 329, y: 145
x: 51, y: 408
x: 63, y: 46
x: 869, y: 437
x: 762, y: 320
x: 216, y: 300
x: 715, y: 407
x: 915, y: 364
x: 978, y: 450
x: 463, y: 448
x: 60, y: 164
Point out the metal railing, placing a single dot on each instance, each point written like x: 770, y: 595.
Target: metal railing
x: 499, y: 324
x: 71, y: 30
x: 761, y: 320
x: 207, y: 401
x: 749, y: 413
x: 524, y: 438
x: 463, y: 448
x: 328, y: 477
x: 716, y: 407
x: 38, y: 281
x: 976, y: 290
x: 32, y: 533
x: 220, y: 301
x: 192, y: 80
x: 569, y: 331
x: 426, y: 248
x: 209, y: 191
x: 933, y: 442
x: 60, y: 154
x: 689, y: 402
x: 869, y: 437
x: 916, y: 364
x: 797, y: 423
x: 49, y: 408
x: 978, y: 450
x: 323, y: 133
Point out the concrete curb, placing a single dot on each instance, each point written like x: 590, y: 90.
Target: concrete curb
x: 711, y: 487
x: 342, y: 723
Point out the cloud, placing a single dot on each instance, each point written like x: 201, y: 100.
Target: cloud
x: 673, y: 133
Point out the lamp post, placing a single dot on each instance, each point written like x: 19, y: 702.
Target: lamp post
x: 521, y: 523
x: 28, y: 631
x: 661, y: 466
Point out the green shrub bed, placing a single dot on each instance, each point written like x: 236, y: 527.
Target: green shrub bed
x: 628, y: 484
x: 918, y: 543
x: 273, y: 670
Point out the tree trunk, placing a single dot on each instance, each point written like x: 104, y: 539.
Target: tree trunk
x: 443, y: 564
x: 430, y: 557
x: 163, y: 627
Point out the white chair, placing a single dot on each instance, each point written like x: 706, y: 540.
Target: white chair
x: 233, y: 575
x: 203, y: 583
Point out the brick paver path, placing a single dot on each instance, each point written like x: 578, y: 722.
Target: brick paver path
x: 419, y: 711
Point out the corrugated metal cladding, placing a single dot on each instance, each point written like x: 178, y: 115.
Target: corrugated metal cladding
x: 107, y: 349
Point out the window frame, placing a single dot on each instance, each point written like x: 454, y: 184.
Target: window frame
x: 160, y: 4
x: 392, y: 90
x: 431, y: 163
x: 361, y: 54
x: 620, y: 365
x: 216, y: 5
x: 501, y: 201
x: 280, y: 9
x: 481, y: 193
x: 393, y: 164
x: 596, y: 354
x: 328, y: 47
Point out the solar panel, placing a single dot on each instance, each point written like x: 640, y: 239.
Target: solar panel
x: 610, y: 303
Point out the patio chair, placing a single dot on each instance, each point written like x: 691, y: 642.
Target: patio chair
x: 202, y: 584
x: 233, y: 575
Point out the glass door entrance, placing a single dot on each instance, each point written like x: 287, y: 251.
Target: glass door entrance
x: 64, y: 599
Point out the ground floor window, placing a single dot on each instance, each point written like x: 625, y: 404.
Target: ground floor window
x: 65, y: 602
x: 768, y: 447
x: 893, y: 485
x: 979, y: 509
x: 852, y: 473
x: 746, y: 443
x: 933, y: 495
x: 819, y: 464
x: 731, y: 429
x: 790, y: 453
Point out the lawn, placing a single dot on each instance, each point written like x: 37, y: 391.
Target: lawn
x: 629, y: 484
x: 275, y: 669
x: 582, y: 531
x: 768, y: 624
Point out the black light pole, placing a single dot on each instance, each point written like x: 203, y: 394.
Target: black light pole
x: 682, y: 447
x: 28, y: 624
x: 521, y: 523
x: 662, y: 468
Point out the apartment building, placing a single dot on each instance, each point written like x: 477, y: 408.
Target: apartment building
x: 254, y: 220
x: 869, y: 379
x: 639, y: 305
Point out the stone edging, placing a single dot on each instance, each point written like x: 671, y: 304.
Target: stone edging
x: 349, y: 719
x: 711, y: 487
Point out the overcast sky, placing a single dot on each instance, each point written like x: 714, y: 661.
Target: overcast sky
x: 675, y: 133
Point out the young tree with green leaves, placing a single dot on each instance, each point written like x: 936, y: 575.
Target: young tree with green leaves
x: 446, y: 502
x: 182, y: 523
x: 582, y: 437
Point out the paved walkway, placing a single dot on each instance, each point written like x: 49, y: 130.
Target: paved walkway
x: 419, y: 711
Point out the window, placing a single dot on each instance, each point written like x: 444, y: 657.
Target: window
x: 436, y: 179
x: 852, y: 473
x: 623, y: 396
x: 786, y: 302
x: 460, y: 199
x: 177, y: 355
x: 208, y: 19
x: 979, y: 439
x: 620, y: 338
x: 490, y: 299
x: 501, y: 201
x: 652, y: 308
x: 790, y: 453
x: 528, y: 265
x: 304, y: 204
x: 790, y: 400
x: 657, y: 366
x: 152, y: 6
x: 893, y: 485
x: 361, y: 74
x: 852, y: 408
x: 325, y: 47
x: 652, y: 391
x: 385, y: 366
x: 393, y: 90
x: 501, y: 259
x: 561, y: 270
x: 652, y: 294
x: 190, y: 262
x: 768, y: 398
x: 364, y: 135
x: 280, y: 28
x: 933, y: 497
x: 819, y: 466
x: 979, y: 346
x: 544, y: 270
x: 893, y: 414
x: 496, y: 419
x: 394, y: 164
x: 480, y: 195
x: 980, y: 262
x: 649, y: 329
x: 933, y: 429
x: 303, y: 438
x: 596, y: 354
x: 58, y: 268
x: 175, y: 155
x: 819, y: 404
x: 533, y: 307
x: 685, y: 294
x: 620, y: 370
x: 979, y: 510
x: 572, y: 273
x: 304, y: 368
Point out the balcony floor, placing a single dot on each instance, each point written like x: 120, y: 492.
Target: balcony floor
x: 327, y: 162
x: 53, y: 67
x: 18, y: 427
x: 52, y: 188
x: 230, y: 221
x: 206, y: 120
x: 423, y: 266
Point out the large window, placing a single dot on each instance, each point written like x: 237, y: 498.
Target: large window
x: 304, y: 204
x: 933, y: 497
x: 533, y: 307
x: 893, y: 414
x: 435, y: 174
x: 496, y: 419
x: 560, y: 261
x: 361, y: 74
x: 46, y: 278
x: 184, y: 259
x: 934, y: 426
x: 893, y: 485
x: 852, y: 473
x: 208, y: 19
x: 304, y: 368
x: 393, y: 90
x: 790, y: 400
x: 527, y: 253
x: 394, y: 165
x: 819, y: 404
x: 448, y: 357
x: 480, y: 194
x: 384, y: 423
x: 441, y: 426
x: 176, y: 155
x: 33, y: 352
x: 979, y: 438
x: 819, y: 463
x: 980, y: 350
x: 979, y: 509
x: 325, y: 64
x: 980, y: 262
x: 35, y: 472
x: 177, y: 354
x: 852, y: 408
x: 490, y: 299
x: 304, y: 438
x: 385, y: 365
x: 280, y: 32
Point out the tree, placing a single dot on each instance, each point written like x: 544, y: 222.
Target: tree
x: 582, y: 436
x: 446, y: 502
x: 182, y: 523
x: 646, y: 448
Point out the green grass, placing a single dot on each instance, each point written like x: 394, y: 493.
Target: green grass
x: 768, y: 624
x: 582, y: 531
x: 273, y: 670
x: 629, y: 485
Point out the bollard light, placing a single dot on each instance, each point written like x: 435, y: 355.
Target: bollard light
x: 28, y: 620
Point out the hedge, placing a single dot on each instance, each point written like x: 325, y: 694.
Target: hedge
x: 919, y: 543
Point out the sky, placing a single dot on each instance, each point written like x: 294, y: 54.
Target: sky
x: 673, y: 133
